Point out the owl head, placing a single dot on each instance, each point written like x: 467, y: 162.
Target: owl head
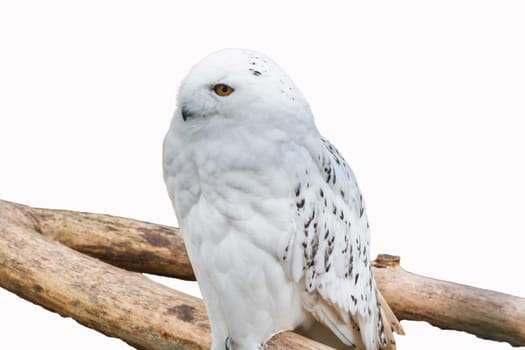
x: 239, y: 86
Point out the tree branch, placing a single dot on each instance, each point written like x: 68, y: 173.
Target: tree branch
x: 130, y: 244
x: 486, y: 314
x: 113, y: 301
x: 158, y: 249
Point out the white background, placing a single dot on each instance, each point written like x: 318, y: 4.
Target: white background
x: 424, y: 99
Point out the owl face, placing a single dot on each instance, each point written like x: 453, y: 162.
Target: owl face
x: 239, y: 85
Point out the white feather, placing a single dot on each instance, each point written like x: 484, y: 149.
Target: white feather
x: 249, y: 175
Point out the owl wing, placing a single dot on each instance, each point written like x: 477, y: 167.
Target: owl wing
x: 329, y: 252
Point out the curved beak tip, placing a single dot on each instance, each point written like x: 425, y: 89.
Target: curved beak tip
x: 186, y: 114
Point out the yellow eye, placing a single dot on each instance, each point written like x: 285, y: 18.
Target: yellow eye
x: 223, y: 89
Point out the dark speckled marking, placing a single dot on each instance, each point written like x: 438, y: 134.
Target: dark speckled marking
x: 328, y: 268
x: 315, y: 246
x: 309, y: 220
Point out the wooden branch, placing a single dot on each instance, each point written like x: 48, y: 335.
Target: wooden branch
x: 129, y: 243
x: 486, y: 314
x: 113, y: 301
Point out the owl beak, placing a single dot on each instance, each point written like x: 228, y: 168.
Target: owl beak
x: 185, y: 113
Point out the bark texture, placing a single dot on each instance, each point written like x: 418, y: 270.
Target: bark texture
x: 55, y: 258
x: 484, y: 313
x: 116, y: 302
x: 130, y: 244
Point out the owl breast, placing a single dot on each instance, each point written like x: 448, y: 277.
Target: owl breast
x: 233, y: 195
x: 242, y: 178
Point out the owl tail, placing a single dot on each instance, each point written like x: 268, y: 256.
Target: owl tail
x: 354, y: 331
x: 343, y: 332
x: 388, y: 325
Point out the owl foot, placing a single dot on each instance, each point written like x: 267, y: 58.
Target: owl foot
x: 228, y: 344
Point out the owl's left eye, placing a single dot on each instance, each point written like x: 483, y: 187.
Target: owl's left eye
x: 223, y: 90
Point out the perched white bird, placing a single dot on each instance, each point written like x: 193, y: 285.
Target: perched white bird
x: 272, y: 217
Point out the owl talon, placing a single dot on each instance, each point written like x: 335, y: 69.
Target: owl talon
x: 228, y: 344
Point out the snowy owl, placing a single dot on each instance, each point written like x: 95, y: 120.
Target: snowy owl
x: 272, y: 217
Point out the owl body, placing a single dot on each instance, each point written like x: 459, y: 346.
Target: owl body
x: 271, y: 214
x: 224, y: 200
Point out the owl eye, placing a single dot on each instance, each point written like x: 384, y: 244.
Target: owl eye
x: 223, y: 89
